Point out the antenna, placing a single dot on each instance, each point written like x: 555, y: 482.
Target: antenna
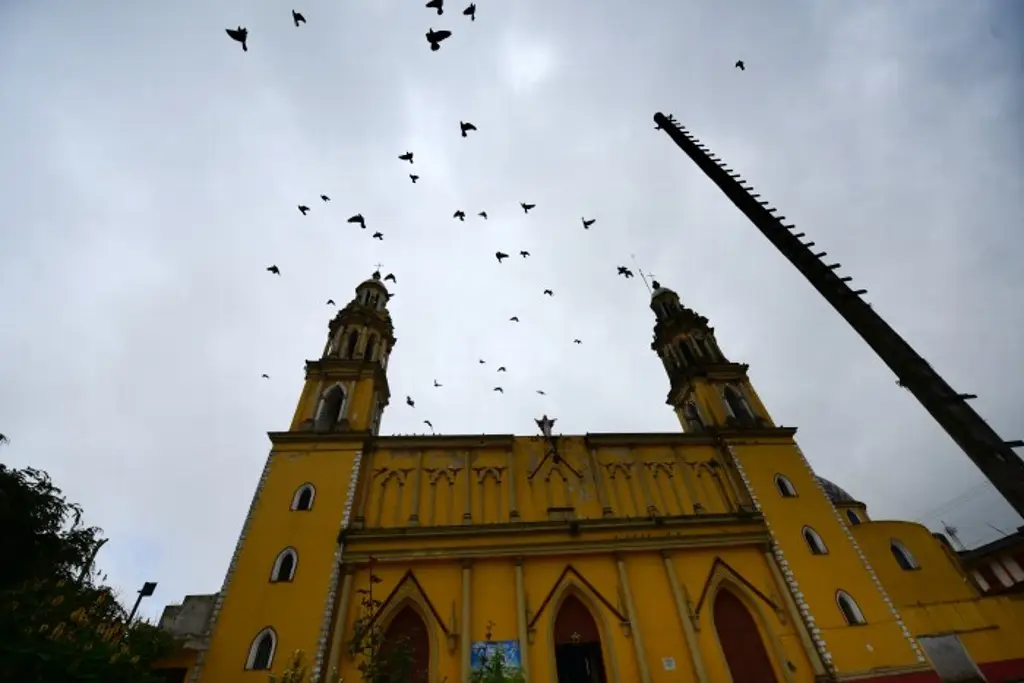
x: 951, y: 532
x: 642, y: 276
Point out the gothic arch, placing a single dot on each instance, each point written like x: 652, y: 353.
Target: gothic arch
x: 351, y: 344
x: 743, y: 646
x: 414, y: 600
x: 302, y: 500
x: 571, y: 586
x: 331, y: 406
x: 722, y: 579
x: 261, y: 651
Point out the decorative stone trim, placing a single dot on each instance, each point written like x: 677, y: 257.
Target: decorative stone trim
x: 332, y: 591
x: 867, y: 565
x: 219, y: 602
x: 787, y: 573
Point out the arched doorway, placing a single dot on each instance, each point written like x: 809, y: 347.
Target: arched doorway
x: 406, y: 638
x: 741, y: 641
x: 578, y: 656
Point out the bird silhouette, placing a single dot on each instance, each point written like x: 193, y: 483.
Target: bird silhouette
x: 378, y: 236
x: 411, y: 403
x: 435, y: 38
x: 460, y: 214
x: 549, y: 292
x: 539, y: 391
x: 298, y: 18
x: 466, y: 126
x: 4, y: 439
x: 740, y: 65
x: 265, y: 376
x: 428, y: 423
x: 406, y: 157
x: 325, y: 198
x: 436, y: 383
x: 483, y: 214
x: 274, y: 269
x: 303, y: 209
x: 524, y: 254
x: 502, y: 369
x: 358, y: 218
x: 438, y: 5
x: 499, y: 389
x: 481, y: 361
x: 526, y: 207
x: 587, y: 224
x: 470, y: 12
x: 413, y: 178
x: 391, y: 277
x: 576, y: 341
x: 625, y: 272
x: 514, y: 319
x: 500, y: 255
x: 330, y: 302
x: 239, y: 35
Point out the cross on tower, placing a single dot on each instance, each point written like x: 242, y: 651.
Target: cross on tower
x: 379, y: 266
x: 642, y: 275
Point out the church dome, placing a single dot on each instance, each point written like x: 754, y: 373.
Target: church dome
x: 374, y: 280
x: 659, y: 290
x: 835, y: 493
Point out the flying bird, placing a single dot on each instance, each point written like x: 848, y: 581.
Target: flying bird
x: 265, y: 376
x: 436, y: 383
x: 427, y: 422
x: 406, y: 157
x: 587, y: 224
x: 358, y: 218
x: 483, y: 214
x: 409, y: 402
x: 514, y: 319
x: 391, y: 277
x: 274, y: 269
x: 481, y: 361
x: 541, y: 392
x: 413, y: 178
x: 740, y: 65
x: 330, y: 302
x: 500, y: 255
x: 438, y: 5
x: 549, y: 292
x: 378, y: 236
x: 325, y: 198
x: 499, y: 389
x: 460, y: 214
x: 4, y: 439
x: 239, y: 35
x: 303, y: 209
x: 470, y: 12
x: 435, y: 38
x: 502, y: 369
x: 625, y: 272
x: 576, y: 341
x: 526, y: 207
x: 298, y: 18
x: 466, y: 126
x: 524, y: 254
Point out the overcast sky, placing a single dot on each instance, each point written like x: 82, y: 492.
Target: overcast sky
x: 151, y: 172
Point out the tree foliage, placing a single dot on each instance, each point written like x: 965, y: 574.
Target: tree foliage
x: 56, y: 622
x: 380, y: 660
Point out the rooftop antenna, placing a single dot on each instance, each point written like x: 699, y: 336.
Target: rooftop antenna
x: 642, y: 276
x: 951, y: 531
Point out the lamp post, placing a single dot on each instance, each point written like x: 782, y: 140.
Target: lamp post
x: 148, y: 588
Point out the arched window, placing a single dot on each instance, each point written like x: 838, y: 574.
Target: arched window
x: 371, y: 346
x: 785, y: 486
x: 261, y: 652
x: 848, y: 606
x: 853, y: 517
x: 814, y: 541
x: 284, y: 566
x: 903, y: 557
x: 686, y: 351
x: 692, y: 417
x: 350, y: 348
x: 738, y: 405
x: 331, y: 407
x: 303, y: 498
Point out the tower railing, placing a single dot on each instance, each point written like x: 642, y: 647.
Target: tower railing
x: 990, y: 453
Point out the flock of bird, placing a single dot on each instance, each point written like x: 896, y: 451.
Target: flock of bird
x: 434, y: 40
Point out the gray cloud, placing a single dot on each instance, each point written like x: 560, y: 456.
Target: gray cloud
x: 151, y: 172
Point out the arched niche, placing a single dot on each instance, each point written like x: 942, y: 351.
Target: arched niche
x: 573, y: 588
x: 399, y: 613
x: 740, y: 640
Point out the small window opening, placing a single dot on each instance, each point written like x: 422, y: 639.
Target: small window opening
x: 851, y: 612
x: 785, y: 486
x: 814, y: 542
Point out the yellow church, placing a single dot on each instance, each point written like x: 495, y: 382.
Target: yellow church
x: 712, y: 554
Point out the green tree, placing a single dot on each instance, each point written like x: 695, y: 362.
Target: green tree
x: 296, y: 671
x: 56, y: 622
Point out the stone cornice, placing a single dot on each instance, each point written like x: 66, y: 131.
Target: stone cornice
x: 464, y: 442
x: 709, y: 437
x: 355, y: 440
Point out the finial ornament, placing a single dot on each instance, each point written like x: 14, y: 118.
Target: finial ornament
x: 642, y: 275
x: 545, y: 423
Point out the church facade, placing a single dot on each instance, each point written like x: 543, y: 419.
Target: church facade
x: 709, y: 555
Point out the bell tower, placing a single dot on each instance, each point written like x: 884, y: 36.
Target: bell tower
x: 346, y: 390
x: 706, y: 389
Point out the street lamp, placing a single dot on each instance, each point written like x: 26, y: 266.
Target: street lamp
x: 147, y: 589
